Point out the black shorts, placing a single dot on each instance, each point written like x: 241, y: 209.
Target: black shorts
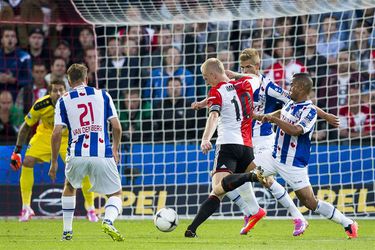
x: 233, y: 158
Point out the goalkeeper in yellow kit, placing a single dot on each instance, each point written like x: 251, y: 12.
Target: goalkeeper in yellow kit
x: 39, y: 149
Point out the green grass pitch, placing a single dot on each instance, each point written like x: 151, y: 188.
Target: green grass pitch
x: 213, y: 234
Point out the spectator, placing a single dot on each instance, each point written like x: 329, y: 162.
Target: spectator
x: 86, y: 40
x: 63, y: 51
x: 6, y: 11
x: 222, y: 28
x: 360, y: 46
x: 122, y: 72
x: 316, y: 64
x: 356, y: 120
x: 15, y: 64
x: 36, y: 49
x: 10, y: 118
x: 285, y: 67
x: 30, y: 93
x: 58, y: 69
x: 175, y: 119
x: 257, y: 43
x: 91, y: 59
x: 169, y: 9
x: 156, y: 87
x: 227, y: 58
x: 329, y: 42
x: 135, y: 117
x: 142, y: 36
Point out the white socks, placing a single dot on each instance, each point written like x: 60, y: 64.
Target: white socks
x: 330, y: 212
x: 113, y: 208
x: 237, y: 199
x: 247, y: 193
x: 283, y: 197
x: 68, y: 205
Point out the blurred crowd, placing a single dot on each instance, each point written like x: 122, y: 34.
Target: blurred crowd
x: 153, y: 71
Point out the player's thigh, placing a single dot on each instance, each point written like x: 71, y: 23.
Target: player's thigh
x: 76, y: 168
x: 225, y: 160
x: 40, y: 147
x: 244, y: 162
x: 104, y: 175
x: 265, y: 160
x: 296, y: 177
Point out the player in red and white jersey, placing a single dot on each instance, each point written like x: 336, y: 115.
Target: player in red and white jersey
x: 230, y: 111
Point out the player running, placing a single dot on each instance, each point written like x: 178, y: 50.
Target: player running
x: 291, y: 152
x: 268, y: 98
x: 39, y: 150
x: 85, y: 111
x: 230, y: 111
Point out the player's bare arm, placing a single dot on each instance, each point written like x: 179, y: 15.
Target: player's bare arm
x: 116, y: 137
x: 199, y: 105
x: 23, y: 134
x: 55, y: 146
x: 330, y: 118
x: 290, y: 129
x: 209, y: 131
x: 16, y: 162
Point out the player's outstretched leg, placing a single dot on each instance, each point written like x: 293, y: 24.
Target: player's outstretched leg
x: 306, y: 196
x: 113, y: 208
x: 89, y: 200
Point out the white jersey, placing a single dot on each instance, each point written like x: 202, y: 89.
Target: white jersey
x: 234, y: 101
x: 85, y: 111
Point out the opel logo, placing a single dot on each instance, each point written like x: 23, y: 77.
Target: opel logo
x: 49, y: 202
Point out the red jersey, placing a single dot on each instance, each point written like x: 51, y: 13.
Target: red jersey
x: 362, y: 121
x: 234, y: 102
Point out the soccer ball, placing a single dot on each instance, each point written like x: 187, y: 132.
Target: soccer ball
x: 166, y: 220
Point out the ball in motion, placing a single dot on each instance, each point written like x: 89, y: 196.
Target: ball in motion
x: 166, y: 219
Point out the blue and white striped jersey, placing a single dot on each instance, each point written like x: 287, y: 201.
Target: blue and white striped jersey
x: 268, y: 98
x: 85, y: 111
x: 295, y: 150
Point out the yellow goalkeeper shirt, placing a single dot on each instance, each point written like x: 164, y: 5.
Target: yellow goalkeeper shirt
x: 43, y: 112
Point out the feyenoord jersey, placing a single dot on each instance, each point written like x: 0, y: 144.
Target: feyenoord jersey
x: 85, y: 111
x: 268, y: 98
x: 234, y: 102
x: 295, y: 150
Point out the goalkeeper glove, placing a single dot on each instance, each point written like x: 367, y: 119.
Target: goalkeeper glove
x: 16, y: 159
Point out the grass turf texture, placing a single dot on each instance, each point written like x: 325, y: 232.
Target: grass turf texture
x: 213, y: 234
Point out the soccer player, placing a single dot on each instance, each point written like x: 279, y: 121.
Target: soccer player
x: 268, y: 98
x: 230, y: 111
x: 85, y: 111
x: 291, y: 153
x: 39, y: 149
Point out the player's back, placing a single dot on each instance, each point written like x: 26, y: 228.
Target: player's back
x: 234, y: 101
x: 85, y: 111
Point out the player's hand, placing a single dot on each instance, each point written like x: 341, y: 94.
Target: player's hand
x: 16, y: 158
x: 333, y: 120
x: 258, y: 117
x: 52, y: 170
x: 115, y: 155
x: 230, y: 74
x: 197, y: 105
x: 206, y: 146
x: 267, y: 118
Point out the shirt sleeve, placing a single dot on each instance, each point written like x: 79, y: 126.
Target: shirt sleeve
x: 111, y: 110
x: 253, y: 80
x: 32, y: 117
x: 214, y: 100
x: 61, y: 116
x: 308, y: 119
x: 277, y: 92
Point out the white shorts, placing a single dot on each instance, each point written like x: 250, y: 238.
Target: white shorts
x: 102, y: 172
x: 296, y: 177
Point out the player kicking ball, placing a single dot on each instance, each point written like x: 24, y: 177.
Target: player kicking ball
x: 86, y: 111
x: 296, y: 122
x: 39, y: 150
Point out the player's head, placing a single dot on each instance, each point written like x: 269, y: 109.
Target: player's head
x: 250, y: 61
x: 213, y: 71
x: 301, y: 86
x: 77, y: 74
x: 56, y: 89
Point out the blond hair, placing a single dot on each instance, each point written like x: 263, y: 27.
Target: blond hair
x: 250, y: 54
x: 213, y: 64
x: 77, y: 73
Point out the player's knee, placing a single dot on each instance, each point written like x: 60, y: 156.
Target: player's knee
x: 218, y: 189
x: 28, y: 162
x: 68, y: 189
x: 310, y: 203
x: 269, y: 181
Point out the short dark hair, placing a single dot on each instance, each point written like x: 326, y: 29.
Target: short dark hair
x: 77, y: 72
x: 55, y: 82
x: 57, y: 58
x: 305, y: 80
x: 39, y: 63
x: 7, y: 28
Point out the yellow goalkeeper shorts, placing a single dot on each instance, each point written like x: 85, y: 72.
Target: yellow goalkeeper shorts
x: 40, y: 147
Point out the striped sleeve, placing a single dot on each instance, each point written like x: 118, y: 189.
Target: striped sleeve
x: 109, y: 106
x: 308, y: 119
x: 61, y: 116
x: 214, y: 100
x: 277, y: 92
